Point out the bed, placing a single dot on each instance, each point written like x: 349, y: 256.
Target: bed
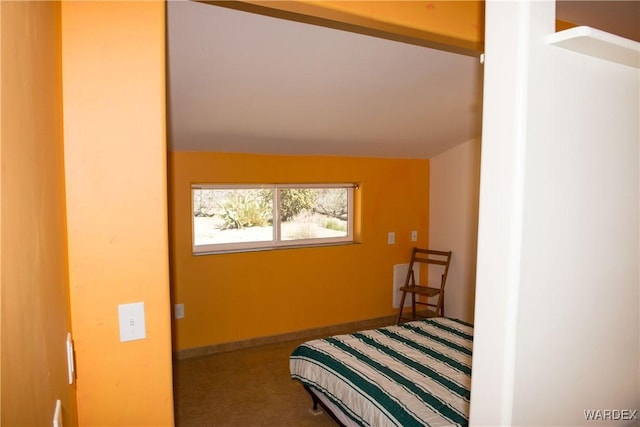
x: 418, y: 373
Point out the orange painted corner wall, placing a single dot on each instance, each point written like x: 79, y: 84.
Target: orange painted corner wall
x: 35, y: 316
x: 238, y: 296
x: 113, y: 70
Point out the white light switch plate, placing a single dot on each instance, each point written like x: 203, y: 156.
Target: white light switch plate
x: 131, y: 318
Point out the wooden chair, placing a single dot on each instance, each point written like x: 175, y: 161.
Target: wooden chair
x: 433, y: 259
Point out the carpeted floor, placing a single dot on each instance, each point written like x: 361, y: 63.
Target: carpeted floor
x: 242, y: 388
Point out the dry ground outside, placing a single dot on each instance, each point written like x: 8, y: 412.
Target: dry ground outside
x: 208, y: 231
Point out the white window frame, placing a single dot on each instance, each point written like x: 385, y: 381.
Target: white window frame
x: 276, y: 242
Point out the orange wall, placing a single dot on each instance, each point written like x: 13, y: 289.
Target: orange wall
x: 33, y: 257
x: 231, y: 297
x: 453, y: 25
x: 114, y: 124
x: 457, y: 22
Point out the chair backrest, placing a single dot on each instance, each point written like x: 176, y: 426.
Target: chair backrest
x: 429, y: 256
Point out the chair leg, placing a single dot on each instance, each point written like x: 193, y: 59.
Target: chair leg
x: 404, y: 295
x: 413, y: 306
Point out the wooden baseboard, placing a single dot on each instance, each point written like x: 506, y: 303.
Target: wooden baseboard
x: 291, y: 336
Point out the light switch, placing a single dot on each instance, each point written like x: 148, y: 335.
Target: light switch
x: 414, y: 236
x: 131, y: 318
x: 391, y: 238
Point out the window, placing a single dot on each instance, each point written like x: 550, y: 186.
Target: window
x: 231, y: 218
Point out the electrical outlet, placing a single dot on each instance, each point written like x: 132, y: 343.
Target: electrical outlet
x: 391, y: 238
x: 178, y: 311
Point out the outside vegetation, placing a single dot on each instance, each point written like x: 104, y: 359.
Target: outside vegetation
x: 246, y: 215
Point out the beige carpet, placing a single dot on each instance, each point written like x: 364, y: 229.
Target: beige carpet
x: 249, y: 387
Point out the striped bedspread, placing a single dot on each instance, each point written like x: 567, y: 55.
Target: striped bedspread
x: 415, y: 374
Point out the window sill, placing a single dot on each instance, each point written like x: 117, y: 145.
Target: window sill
x: 275, y: 248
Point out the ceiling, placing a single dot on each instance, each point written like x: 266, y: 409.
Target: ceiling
x: 243, y: 82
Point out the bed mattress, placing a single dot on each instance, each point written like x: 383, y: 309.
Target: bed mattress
x: 415, y: 374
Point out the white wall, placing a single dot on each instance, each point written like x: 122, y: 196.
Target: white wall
x: 557, y: 302
x: 453, y: 222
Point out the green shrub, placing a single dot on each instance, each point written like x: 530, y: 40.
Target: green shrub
x: 294, y: 200
x: 245, y: 209
x: 334, y: 224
